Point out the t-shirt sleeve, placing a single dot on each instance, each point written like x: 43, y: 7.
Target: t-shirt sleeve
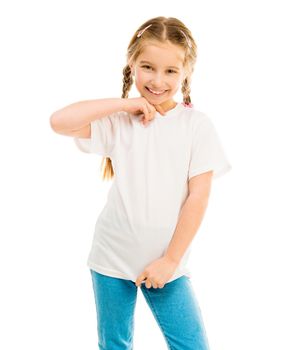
x: 207, y: 152
x: 103, y: 136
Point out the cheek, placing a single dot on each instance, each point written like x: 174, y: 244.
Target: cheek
x: 176, y: 84
x: 139, y: 78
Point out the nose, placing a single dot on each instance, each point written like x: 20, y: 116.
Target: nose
x: 157, y: 81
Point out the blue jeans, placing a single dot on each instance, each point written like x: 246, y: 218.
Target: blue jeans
x: 174, y: 307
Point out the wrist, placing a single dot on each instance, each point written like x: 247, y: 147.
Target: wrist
x: 172, y: 259
x: 123, y: 104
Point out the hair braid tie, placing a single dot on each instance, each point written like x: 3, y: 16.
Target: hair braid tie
x: 142, y: 31
x: 187, y: 39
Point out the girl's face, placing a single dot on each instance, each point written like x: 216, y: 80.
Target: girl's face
x: 159, y: 72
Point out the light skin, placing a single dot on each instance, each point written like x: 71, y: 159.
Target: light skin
x: 159, y: 74
x: 157, y: 273
x: 159, y: 67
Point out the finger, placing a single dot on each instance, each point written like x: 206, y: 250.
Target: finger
x: 139, y: 280
x: 145, y: 121
x: 138, y: 112
x: 146, y: 112
x: 143, y: 118
x: 152, y: 113
x: 155, y: 285
x: 148, y: 283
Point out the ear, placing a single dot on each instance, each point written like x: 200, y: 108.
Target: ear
x: 184, y: 75
x: 132, y: 69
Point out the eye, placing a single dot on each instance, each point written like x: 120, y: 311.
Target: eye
x: 169, y: 70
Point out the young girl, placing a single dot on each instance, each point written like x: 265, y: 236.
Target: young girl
x: 163, y: 156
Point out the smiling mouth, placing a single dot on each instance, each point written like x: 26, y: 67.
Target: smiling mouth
x: 156, y: 93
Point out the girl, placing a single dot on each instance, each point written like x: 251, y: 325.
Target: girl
x: 163, y: 156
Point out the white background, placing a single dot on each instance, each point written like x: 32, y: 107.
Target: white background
x: 54, y: 53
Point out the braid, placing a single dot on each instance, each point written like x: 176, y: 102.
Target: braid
x: 127, y: 81
x: 186, y: 91
x: 107, y: 168
x: 106, y: 164
x: 162, y: 29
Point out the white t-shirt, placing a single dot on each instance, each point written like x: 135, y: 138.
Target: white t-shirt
x: 152, y: 165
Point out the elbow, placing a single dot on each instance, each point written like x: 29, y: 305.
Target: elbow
x: 55, y: 122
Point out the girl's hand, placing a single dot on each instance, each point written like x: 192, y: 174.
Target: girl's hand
x: 140, y: 106
x: 157, y: 273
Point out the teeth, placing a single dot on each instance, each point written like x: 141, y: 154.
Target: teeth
x: 156, y: 92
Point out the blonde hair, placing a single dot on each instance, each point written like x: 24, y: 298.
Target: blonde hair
x: 160, y: 29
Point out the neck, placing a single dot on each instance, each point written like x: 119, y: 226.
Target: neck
x: 168, y: 105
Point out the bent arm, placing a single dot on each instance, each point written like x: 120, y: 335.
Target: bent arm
x: 79, y: 114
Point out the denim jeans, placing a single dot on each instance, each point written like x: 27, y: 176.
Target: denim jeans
x: 174, y: 307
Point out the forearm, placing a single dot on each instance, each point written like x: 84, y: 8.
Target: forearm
x: 190, y: 218
x: 79, y: 114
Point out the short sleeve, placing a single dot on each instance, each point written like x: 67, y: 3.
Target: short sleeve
x: 103, y: 136
x: 207, y: 152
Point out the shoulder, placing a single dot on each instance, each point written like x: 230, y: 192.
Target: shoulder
x: 201, y: 124
x: 195, y: 116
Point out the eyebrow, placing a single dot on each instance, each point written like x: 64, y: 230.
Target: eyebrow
x: 153, y: 64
